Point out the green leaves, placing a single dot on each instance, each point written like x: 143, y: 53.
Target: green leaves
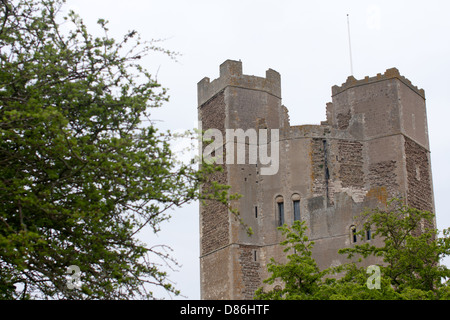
x: 81, y: 172
x: 300, y: 276
x: 410, y: 255
x: 411, y: 250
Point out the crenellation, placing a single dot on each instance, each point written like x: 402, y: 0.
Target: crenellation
x: 231, y: 75
x: 373, y: 146
x: 392, y: 73
x: 230, y: 68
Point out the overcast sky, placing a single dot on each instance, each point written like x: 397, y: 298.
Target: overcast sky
x: 307, y: 42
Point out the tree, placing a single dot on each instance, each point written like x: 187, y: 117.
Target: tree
x: 410, y: 258
x: 300, y: 276
x: 82, y: 169
x: 411, y: 253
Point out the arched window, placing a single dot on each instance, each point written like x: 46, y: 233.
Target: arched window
x: 296, y: 205
x: 280, y: 210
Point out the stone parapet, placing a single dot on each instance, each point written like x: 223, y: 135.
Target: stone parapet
x: 392, y: 73
x: 231, y: 75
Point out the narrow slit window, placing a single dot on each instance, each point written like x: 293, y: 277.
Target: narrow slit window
x: 256, y: 212
x: 296, y: 210
x: 353, y: 234
x: 368, y: 234
x: 280, y: 210
x: 280, y: 213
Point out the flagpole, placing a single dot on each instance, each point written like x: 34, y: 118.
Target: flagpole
x: 349, y: 44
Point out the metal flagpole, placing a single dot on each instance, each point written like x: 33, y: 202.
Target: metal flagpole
x: 349, y: 44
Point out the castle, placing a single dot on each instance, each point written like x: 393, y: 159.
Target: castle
x: 372, y: 146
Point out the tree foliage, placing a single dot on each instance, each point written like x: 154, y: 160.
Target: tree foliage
x: 300, y: 276
x: 409, y: 261
x: 82, y: 169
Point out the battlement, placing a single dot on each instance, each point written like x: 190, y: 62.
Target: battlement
x: 392, y: 73
x: 231, y: 75
x: 373, y: 146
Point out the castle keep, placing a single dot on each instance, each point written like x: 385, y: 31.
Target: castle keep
x: 372, y: 146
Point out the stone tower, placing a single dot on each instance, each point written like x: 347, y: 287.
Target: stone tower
x: 373, y: 146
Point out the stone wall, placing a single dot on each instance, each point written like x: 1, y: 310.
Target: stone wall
x: 250, y: 270
x: 214, y: 215
x: 343, y: 120
x: 383, y: 174
x: 317, y: 155
x: 351, y: 163
x: 357, y: 159
x: 420, y: 194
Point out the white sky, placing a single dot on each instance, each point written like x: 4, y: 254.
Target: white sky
x: 307, y: 42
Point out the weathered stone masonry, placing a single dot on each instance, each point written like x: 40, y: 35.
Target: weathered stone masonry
x: 417, y: 166
x: 215, y: 215
x: 372, y: 146
x: 249, y: 266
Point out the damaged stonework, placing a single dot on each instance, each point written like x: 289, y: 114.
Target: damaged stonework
x: 372, y: 146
